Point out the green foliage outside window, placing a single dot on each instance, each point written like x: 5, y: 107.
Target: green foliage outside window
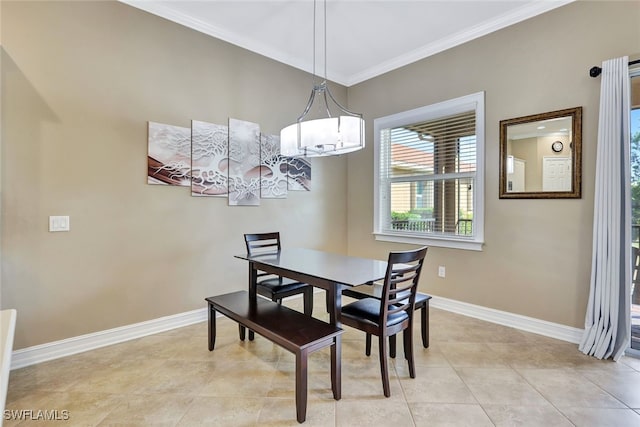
x: 404, y: 216
x: 413, y: 215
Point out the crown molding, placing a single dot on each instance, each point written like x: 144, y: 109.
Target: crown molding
x: 527, y: 11
x: 523, y: 13
x: 160, y: 9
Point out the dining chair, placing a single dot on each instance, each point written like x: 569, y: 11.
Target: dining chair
x: 270, y: 286
x: 393, y: 312
x: 374, y: 290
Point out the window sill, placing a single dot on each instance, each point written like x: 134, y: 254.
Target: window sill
x: 441, y: 242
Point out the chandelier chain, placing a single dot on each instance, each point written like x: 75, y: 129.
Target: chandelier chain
x: 315, y: 76
x: 325, y: 39
x: 314, y: 42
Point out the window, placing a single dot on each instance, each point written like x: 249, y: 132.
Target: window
x: 634, y: 73
x: 429, y: 175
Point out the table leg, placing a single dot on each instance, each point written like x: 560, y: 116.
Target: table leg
x: 335, y: 295
x: 212, y: 327
x: 253, y: 280
x: 336, y: 369
x: 253, y: 293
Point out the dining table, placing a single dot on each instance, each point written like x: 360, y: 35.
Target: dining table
x: 321, y: 269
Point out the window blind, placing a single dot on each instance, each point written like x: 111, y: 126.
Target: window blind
x: 427, y: 173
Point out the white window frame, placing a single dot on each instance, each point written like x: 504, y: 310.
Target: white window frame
x: 418, y: 115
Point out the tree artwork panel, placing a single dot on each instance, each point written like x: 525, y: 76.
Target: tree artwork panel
x: 244, y: 163
x: 298, y: 174
x: 168, y: 155
x: 273, y: 168
x: 209, y: 159
x: 234, y: 161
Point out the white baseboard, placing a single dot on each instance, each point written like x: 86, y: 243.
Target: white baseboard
x: 7, y: 328
x: 529, y: 324
x: 67, y: 347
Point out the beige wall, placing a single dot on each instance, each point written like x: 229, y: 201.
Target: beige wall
x: 527, y: 150
x: 533, y: 151
x: 536, y: 259
x: 1, y: 144
x: 81, y: 80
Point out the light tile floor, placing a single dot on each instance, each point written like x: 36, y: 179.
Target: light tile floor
x: 473, y: 374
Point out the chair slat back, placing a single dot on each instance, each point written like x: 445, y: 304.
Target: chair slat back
x: 262, y: 242
x: 401, y: 282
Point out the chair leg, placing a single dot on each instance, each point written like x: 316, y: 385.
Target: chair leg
x: 308, y: 301
x: 407, y: 336
x: 424, y: 320
x: 405, y: 344
x: 392, y: 346
x: 251, y: 334
x: 367, y: 347
x: 241, y: 331
x: 329, y: 302
x: 384, y: 370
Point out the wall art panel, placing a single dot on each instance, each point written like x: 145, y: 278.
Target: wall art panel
x: 244, y: 163
x: 168, y: 155
x: 298, y: 174
x: 209, y: 159
x: 273, y: 168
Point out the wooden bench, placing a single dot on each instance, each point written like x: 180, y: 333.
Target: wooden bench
x: 298, y: 333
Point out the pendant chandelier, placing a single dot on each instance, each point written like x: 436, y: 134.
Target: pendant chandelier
x: 332, y: 134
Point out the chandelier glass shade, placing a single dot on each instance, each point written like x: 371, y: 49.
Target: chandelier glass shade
x: 331, y: 133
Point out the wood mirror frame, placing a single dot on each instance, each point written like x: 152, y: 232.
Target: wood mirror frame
x: 574, y: 144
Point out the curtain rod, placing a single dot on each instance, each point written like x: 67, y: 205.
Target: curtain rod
x: 595, y: 71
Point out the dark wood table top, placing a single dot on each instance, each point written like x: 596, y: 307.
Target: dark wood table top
x: 347, y: 270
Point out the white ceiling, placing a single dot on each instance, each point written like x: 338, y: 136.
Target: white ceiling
x: 364, y: 38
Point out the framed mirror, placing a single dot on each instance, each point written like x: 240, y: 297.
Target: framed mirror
x: 541, y: 156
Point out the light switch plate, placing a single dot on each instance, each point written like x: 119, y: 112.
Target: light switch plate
x: 58, y: 223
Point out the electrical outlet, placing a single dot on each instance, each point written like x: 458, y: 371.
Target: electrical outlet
x: 58, y: 223
x: 441, y: 271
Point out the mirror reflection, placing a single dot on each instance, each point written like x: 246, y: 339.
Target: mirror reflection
x: 540, y: 155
